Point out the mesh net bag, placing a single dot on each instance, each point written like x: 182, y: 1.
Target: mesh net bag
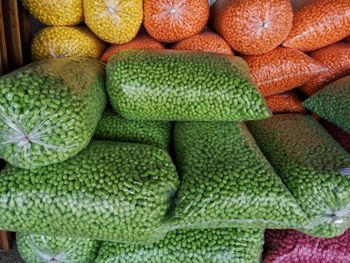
x: 341, y: 136
x: 286, y: 102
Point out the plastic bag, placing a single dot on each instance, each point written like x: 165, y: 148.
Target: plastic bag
x: 286, y: 102
x: 142, y: 41
x: 214, y: 246
x: 319, y: 23
x: 173, y: 20
x: 49, y: 110
x: 341, y: 136
x: 294, y: 247
x: 337, y: 59
x: 312, y: 165
x: 46, y: 249
x: 206, y: 41
x: 56, y: 13
x: 111, y: 191
x: 252, y: 27
x: 114, y: 21
x: 64, y: 41
x: 333, y: 103
x: 115, y: 128
x: 227, y: 182
x: 283, y: 69
x: 181, y: 85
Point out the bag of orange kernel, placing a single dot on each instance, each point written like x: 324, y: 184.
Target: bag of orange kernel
x: 282, y: 69
x: 287, y: 102
x: 337, y: 59
x: 206, y: 41
x: 170, y: 21
x: 252, y: 27
x: 319, y: 23
x: 141, y: 41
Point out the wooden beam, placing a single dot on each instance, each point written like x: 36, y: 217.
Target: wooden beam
x: 3, y: 48
x: 5, y: 241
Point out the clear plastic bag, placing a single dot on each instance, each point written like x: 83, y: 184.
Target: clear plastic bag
x: 283, y: 69
x: 252, y: 27
x: 141, y: 41
x: 49, y: 110
x: 293, y: 247
x: 333, y: 103
x: 206, y: 41
x: 312, y: 165
x: 65, y: 41
x: 56, y: 13
x: 119, y: 192
x: 227, y: 182
x: 173, y: 85
x: 286, y: 102
x: 115, y: 128
x: 114, y: 21
x: 337, y: 59
x: 173, y: 20
x: 341, y: 136
x: 46, y: 249
x: 319, y: 23
x: 212, y: 246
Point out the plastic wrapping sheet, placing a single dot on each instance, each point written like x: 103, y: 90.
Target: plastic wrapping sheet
x: 119, y: 192
x: 173, y: 20
x: 341, y: 136
x: 49, y: 110
x: 312, y: 165
x: 65, y: 41
x: 252, y: 27
x: 227, y: 182
x: 185, y: 246
x: 283, y: 69
x: 46, y: 249
x: 319, y: 23
x: 285, y: 102
x: 176, y: 85
x: 333, y: 103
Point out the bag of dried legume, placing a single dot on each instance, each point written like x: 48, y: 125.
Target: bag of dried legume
x: 282, y: 69
x: 252, y: 27
x: 172, y: 85
x: 312, y: 165
x: 319, y: 23
x: 35, y: 248
x: 64, y: 41
x: 214, y: 246
x: 293, y: 246
x: 49, y: 110
x: 341, y: 136
x: 286, y: 102
x: 173, y: 20
x: 336, y: 58
x: 333, y: 103
x: 114, y: 21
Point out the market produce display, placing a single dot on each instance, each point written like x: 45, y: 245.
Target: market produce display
x: 114, y: 21
x: 65, y: 41
x: 56, y: 13
x: 252, y: 27
x: 173, y: 20
x: 40, y: 249
x: 332, y: 103
x: 341, y: 136
x: 141, y: 41
x: 312, y: 165
x: 182, y: 86
x: 49, y: 110
x: 336, y: 58
x: 319, y: 23
x: 282, y: 69
x: 188, y: 246
x: 206, y: 41
x: 286, y: 102
x: 119, y: 192
x: 292, y: 246
x: 226, y: 180
x: 115, y: 128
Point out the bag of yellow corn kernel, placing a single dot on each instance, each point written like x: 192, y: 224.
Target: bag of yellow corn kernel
x: 56, y: 13
x: 64, y: 41
x: 114, y: 21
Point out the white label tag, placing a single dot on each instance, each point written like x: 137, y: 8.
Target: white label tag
x: 345, y: 171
